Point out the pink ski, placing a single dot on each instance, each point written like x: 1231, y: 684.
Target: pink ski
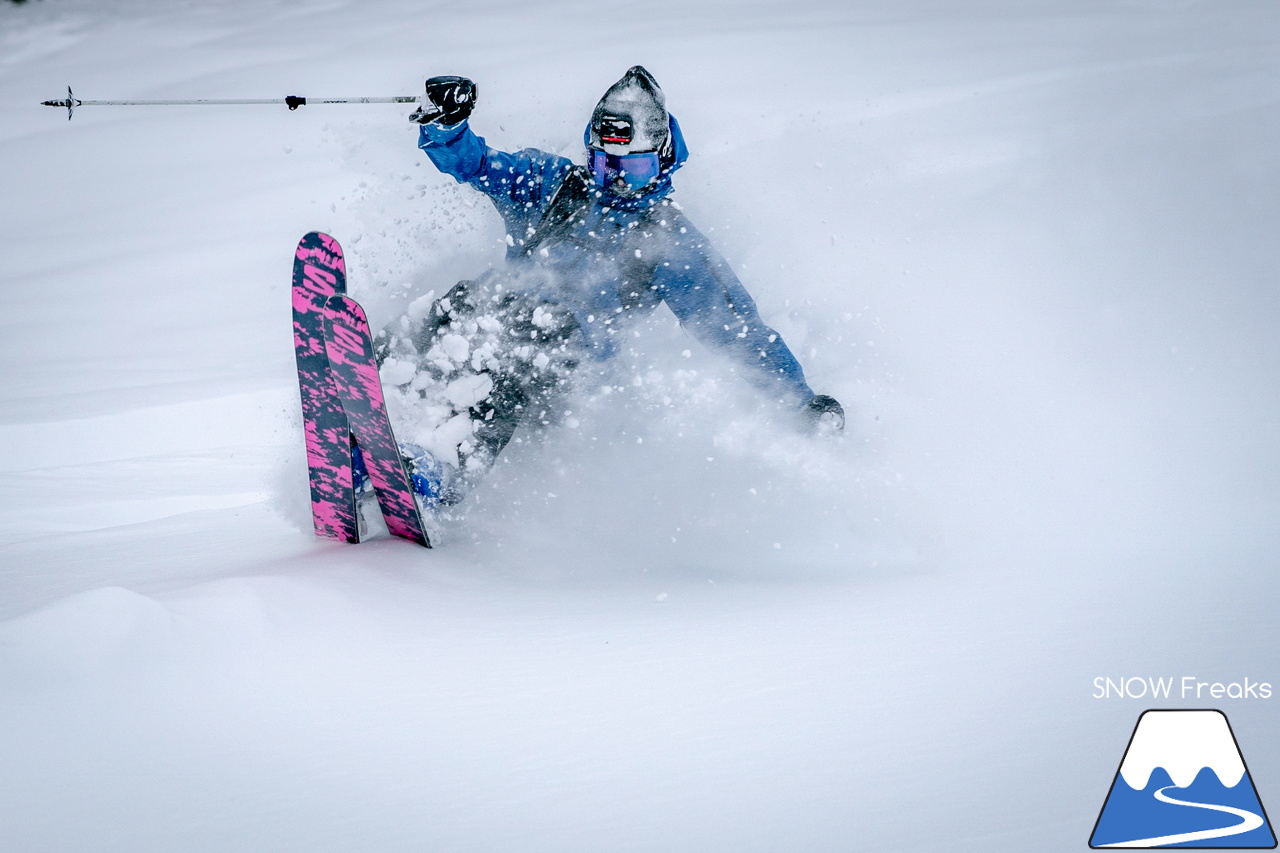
x: 355, y: 375
x: 319, y: 273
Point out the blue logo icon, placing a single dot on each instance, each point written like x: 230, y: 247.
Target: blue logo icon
x: 1183, y: 783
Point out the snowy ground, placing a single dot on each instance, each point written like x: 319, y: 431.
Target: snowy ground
x: 1030, y: 245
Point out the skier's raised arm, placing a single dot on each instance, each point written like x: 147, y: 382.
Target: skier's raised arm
x: 521, y: 184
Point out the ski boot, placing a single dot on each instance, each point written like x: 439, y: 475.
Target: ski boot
x: 362, y: 487
x: 435, y: 483
x: 360, y: 482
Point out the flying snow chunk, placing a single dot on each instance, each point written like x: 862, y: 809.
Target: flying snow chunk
x: 468, y: 390
x: 419, y: 308
x: 444, y: 440
x: 542, y: 318
x: 456, y: 347
x: 396, y: 372
x: 1183, y: 782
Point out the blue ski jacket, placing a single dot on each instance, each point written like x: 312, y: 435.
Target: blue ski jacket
x: 615, y: 258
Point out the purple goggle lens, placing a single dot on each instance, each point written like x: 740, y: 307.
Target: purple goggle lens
x: 635, y: 170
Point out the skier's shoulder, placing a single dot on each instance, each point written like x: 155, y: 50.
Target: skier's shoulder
x: 668, y: 215
x: 530, y: 159
x: 683, y: 238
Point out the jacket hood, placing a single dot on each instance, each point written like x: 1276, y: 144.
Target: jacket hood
x: 632, y: 115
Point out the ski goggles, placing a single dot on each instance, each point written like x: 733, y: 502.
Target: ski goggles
x: 635, y: 170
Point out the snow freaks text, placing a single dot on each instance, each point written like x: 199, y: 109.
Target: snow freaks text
x: 1186, y: 687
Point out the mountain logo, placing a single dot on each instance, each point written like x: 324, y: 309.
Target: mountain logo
x: 1182, y: 783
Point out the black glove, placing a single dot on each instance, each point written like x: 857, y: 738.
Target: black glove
x: 824, y: 414
x: 448, y: 100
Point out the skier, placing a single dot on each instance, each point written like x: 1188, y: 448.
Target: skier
x: 589, y: 250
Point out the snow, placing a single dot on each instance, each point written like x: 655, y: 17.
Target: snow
x: 1183, y: 743
x: 1029, y: 245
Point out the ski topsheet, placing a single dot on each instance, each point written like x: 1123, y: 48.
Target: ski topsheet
x: 355, y: 375
x: 319, y: 273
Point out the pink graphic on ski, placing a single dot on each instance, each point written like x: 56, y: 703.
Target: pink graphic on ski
x: 355, y: 376
x: 318, y: 273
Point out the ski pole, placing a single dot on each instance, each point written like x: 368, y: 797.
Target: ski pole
x: 291, y: 101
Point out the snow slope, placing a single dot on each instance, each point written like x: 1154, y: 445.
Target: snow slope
x: 1028, y: 244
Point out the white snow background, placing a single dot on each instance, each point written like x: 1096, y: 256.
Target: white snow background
x: 1030, y: 245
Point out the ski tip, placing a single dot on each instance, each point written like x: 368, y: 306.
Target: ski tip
x: 342, y: 304
x: 318, y: 238
x: 318, y: 247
